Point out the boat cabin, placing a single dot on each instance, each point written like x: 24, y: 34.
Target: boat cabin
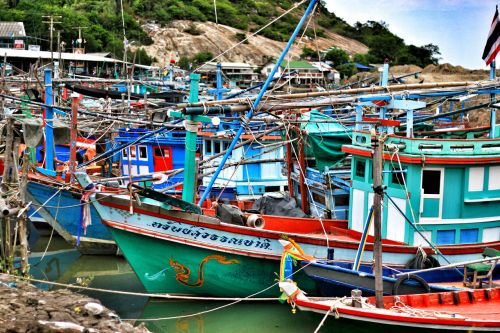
x: 262, y: 174
x: 447, y: 186
x: 161, y: 152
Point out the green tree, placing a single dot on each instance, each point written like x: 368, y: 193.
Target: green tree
x: 361, y: 58
x: 346, y: 70
x: 309, y: 53
x: 337, y: 56
x: 184, y: 62
x: 201, y: 58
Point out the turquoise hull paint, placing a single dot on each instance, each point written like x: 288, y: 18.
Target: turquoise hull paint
x: 169, y: 267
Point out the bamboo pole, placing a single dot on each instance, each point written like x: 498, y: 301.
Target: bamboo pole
x: 374, y: 89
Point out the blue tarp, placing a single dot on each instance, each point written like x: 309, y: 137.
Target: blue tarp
x: 362, y: 67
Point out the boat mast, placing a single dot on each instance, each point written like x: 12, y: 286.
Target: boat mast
x: 249, y: 115
x: 191, y: 125
x: 377, y: 146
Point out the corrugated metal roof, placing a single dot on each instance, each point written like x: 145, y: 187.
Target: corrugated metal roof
x: 12, y: 29
x: 17, y: 53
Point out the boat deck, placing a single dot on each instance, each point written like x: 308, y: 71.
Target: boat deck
x: 479, y: 304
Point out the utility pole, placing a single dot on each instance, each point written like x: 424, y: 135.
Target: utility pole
x: 80, y: 39
x: 377, y: 146
x: 51, y: 28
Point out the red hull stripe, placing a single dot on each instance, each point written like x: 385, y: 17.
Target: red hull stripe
x: 389, y: 248
x: 395, y: 318
x: 428, y: 160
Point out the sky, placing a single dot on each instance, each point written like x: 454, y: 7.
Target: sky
x: 459, y: 27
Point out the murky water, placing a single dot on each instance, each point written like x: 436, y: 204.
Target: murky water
x: 64, y: 265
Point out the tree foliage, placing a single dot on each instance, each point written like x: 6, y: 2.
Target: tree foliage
x: 337, y: 56
x: 104, y: 32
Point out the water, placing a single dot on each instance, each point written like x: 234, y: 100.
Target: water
x: 64, y: 265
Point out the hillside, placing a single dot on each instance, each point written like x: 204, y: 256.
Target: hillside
x: 103, y: 30
x: 442, y: 73
x: 189, y: 38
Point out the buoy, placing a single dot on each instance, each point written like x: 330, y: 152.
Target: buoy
x: 255, y: 221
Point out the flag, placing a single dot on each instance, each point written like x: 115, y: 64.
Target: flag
x: 493, y: 43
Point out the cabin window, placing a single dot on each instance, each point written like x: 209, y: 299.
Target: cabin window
x: 431, y: 181
x: 208, y: 147
x: 125, y: 153
x: 494, y: 178
x: 398, y: 177
x: 143, y: 152
x: 217, y: 147
x: 225, y: 145
x: 360, y: 168
x: 476, y: 179
x: 132, y: 152
x: 318, y: 198
x: 341, y: 200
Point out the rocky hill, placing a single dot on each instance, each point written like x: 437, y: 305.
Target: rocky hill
x: 187, y: 38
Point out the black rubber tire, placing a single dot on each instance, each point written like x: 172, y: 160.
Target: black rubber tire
x: 403, y: 278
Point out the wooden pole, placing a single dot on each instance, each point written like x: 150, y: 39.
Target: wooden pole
x: 74, y: 129
x: 377, y: 146
x: 6, y: 180
x: 23, y: 234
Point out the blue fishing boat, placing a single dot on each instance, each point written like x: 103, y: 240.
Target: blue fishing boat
x: 153, y: 157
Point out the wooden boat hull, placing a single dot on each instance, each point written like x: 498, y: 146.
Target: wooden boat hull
x: 176, y: 268
x: 338, y: 280
x: 153, y: 235
x: 66, y: 218
x: 473, y: 310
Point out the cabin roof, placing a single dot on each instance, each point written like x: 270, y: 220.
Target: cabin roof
x: 19, y: 53
x: 297, y: 65
x: 12, y: 29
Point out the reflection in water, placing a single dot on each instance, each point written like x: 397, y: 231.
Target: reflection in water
x: 111, y: 272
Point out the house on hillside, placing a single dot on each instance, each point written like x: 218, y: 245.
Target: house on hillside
x: 306, y: 74
x: 240, y: 74
x: 12, y: 35
x: 330, y: 74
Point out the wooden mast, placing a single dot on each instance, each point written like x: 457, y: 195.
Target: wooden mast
x: 377, y: 146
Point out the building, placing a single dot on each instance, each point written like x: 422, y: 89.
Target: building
x: 238, y: 74
x: 12, y: 35
x: 74, y: 62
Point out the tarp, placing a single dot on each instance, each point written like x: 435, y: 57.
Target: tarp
x: 324, y: 141
x: 279, y: 204
x: 33, y: 132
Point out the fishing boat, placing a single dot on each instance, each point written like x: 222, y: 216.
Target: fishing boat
x: 467, y: 310
x: 339, y: 278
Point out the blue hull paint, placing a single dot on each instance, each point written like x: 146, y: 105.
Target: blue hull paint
x: 338, y: 279
x: 96, y: 240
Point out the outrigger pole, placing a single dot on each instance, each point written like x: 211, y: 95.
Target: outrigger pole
x: 257, y: 101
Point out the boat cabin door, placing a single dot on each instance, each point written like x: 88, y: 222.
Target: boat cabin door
x: 162, y: 158
x: 431, y: 203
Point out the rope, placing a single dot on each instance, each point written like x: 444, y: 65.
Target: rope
x: 52, y: 232
x: 252, y: 35
x: 332, y: 308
